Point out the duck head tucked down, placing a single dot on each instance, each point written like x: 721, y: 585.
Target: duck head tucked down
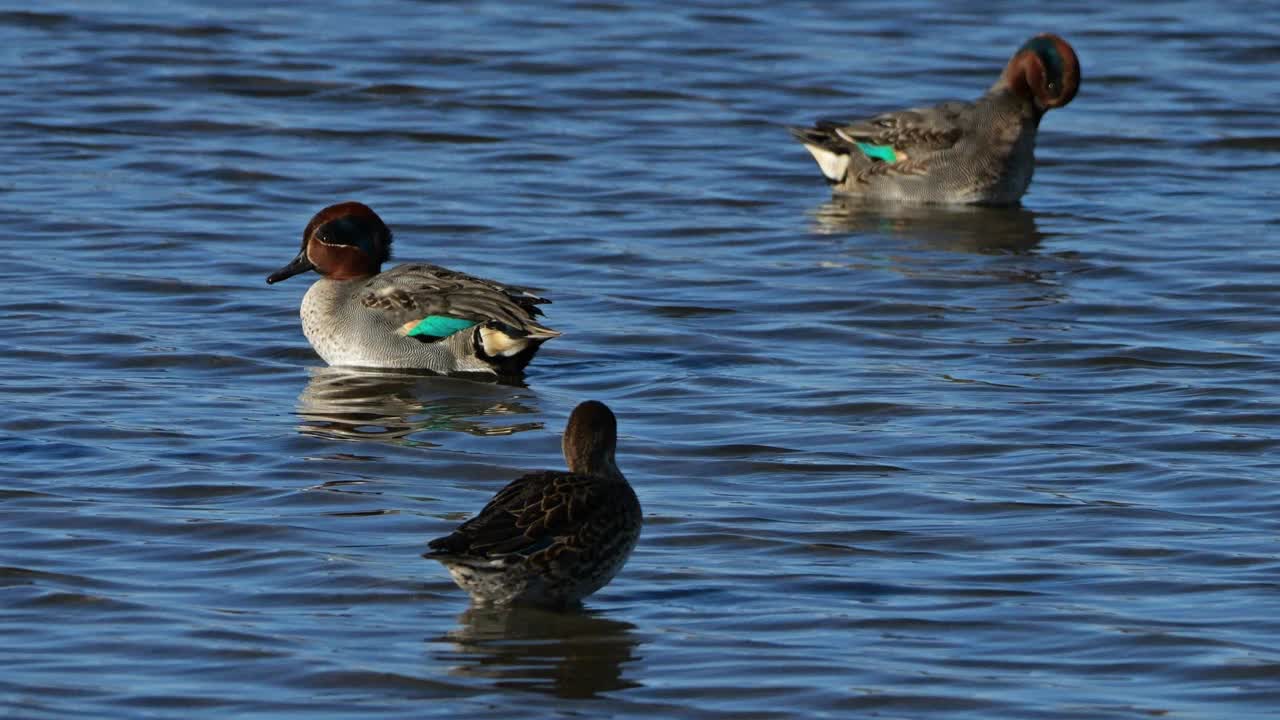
x: 414, y: 316
x: 1045, y: 71
x: 551, y: 537
x: 980, y: 152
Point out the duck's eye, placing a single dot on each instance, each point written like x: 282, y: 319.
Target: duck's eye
x: 1053, y: 87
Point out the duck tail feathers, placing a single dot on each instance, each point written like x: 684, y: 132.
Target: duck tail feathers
x: 828, y: 149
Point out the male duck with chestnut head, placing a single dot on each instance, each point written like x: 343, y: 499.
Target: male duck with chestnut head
x: 980, y: 152
x: 415, y: 316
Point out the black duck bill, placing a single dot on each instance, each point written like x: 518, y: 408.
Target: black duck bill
x: 297, y: 266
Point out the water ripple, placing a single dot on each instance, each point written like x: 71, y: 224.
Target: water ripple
x: 911, y: 462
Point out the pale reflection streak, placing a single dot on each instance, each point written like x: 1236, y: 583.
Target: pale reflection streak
x: 566, y: 654
x: 344, y: 404
x: 964, y: 228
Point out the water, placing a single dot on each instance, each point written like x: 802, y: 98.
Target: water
x: 983, y: 463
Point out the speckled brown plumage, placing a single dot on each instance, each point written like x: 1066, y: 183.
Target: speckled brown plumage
x: 550, y: 537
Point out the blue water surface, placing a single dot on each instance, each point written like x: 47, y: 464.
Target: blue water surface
x: 901, y: 463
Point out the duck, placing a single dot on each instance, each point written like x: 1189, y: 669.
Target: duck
x: 550, y: 538
x: 415, y: 316
x: 980, y: 152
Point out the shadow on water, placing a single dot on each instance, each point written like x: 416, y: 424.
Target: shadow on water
x: 965, y: 228
x: 344, y: 404
x: 565, y: 654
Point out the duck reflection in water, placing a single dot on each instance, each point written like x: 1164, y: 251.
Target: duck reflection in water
x: 568, y: 655
x: 345, y: 404
x: 963, y: 228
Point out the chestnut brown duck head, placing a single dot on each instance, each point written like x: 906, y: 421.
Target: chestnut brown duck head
x: 346, y: 241
x: 1045, y: 70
